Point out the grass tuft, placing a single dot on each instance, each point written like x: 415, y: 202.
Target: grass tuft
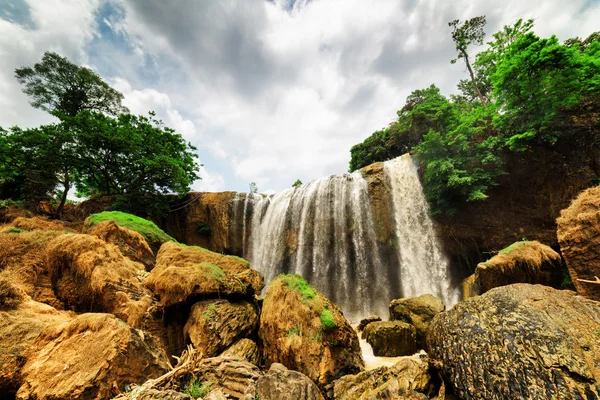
x: 147, y: 229
x: 297, y: 282
x: 513, y: 247
x: 327, y: 319
x: 196, y: 390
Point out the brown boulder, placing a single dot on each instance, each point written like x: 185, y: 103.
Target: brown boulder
x: 304, y: 331
x: 20, y: 325
x: 182, y: 272
x: 417, y: 311
x: 93, y: 356
x: 22, y: 262
x: 366, y: 321
x: 521, y: 262
x: 279, y: 383
x: 91, y: 275
x: 37, y: 223
x: 131, y: 244
x: 244, y: 349
x: 391, y: 338
x: 408, y: 377
x: 579, y: 238
x: 520, y: 341
x: 214, y: 325
x: 226, y: 374
x: 154, y: 394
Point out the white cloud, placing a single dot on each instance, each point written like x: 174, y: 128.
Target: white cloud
x: 269, y: 95
x: 209, y: 182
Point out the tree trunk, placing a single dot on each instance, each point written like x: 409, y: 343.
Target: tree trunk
x: 466, y: 57
x: 63, y: 200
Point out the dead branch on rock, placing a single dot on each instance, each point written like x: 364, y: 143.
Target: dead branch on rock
x: 597, y: 281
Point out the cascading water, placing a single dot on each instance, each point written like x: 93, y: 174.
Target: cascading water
x: 324, y: 230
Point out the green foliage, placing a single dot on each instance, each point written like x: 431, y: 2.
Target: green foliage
x: 567, y: 281
x: 296, y: 282
x: 196, y: 390
x: 14, y: 229
x: 297, y: 183
x: 63, y: 89
x: 147, y: 229
x: 523, y: 91
x: 203, y: 229
x: 327, y: 320
x: 253, y: 187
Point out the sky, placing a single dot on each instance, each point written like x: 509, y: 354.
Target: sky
x: 269, y: 91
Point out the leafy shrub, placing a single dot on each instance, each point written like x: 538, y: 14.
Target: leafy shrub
x: 327, y: 319
x: 203, y: 229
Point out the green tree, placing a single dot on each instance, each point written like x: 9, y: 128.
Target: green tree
x: 253, y: 187
x: 133, y: 157
x: 297, y: 183
x: 63, y: 89
x: 465, y: 34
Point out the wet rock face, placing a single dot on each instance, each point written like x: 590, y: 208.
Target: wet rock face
x: 417, y: 311
x: 579, y: 238
x: 93, y: 356
x: 391, y: 338
x: 520, y: 341
x: 279, y: 383
x: 408, y: 378
x: 214, y: 325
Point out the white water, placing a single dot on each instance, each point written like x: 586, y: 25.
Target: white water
x: 324, y: 231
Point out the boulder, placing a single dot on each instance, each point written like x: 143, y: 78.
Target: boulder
x: 131, y: 244
x: 20, y: 324
x: 521, y: 262
x: 417, y: 311
x: 304, y: 331
x: 214, y: 325
x: 391, y: 338
x: 366, y: 321
x: 244, y: 349
x: 23, y: 262
x: 467, y: 287
x: 408, y: 377
x: 93, y: 356
x: 182, y: 272
x: 89, y: 274
x: 37, y: 223
x: 279, y: 383
x: 230, y: 376
x: 520, y: 342
x: 579, y: 237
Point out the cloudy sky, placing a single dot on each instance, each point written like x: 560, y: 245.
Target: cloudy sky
x: 268, y: 90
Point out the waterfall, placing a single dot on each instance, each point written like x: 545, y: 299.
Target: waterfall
x: 325, y: 231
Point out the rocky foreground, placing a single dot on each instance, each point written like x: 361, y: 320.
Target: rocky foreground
x: 100, y: 311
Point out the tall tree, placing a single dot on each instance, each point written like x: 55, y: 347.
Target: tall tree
x: 63, y: 89
x: 465, y: 34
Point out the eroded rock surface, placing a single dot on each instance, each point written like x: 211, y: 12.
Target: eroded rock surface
x: 520, y: 341
x: 366, y: 321
x: 131, y: 244
x: 408, y: 378
x: 244, y: 349
x: 279, y: 383
x: 214, y: 325
x: 391, y: 338
x: 579, y: 238
x: 93, y: 356
x: 417, y: 311
x: 293, y: 333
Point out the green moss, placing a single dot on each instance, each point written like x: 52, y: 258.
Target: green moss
x: 240, y: 259
x: 203, y: 229
x: 147, y: 229
x: 14, y: 229
x: 212, y: 271
x: 297, y: 282
x: 327, y: 320
x: 513, y: 247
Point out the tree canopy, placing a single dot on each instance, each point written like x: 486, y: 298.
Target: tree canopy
x: 96, y: 148
x: 523, y: 92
